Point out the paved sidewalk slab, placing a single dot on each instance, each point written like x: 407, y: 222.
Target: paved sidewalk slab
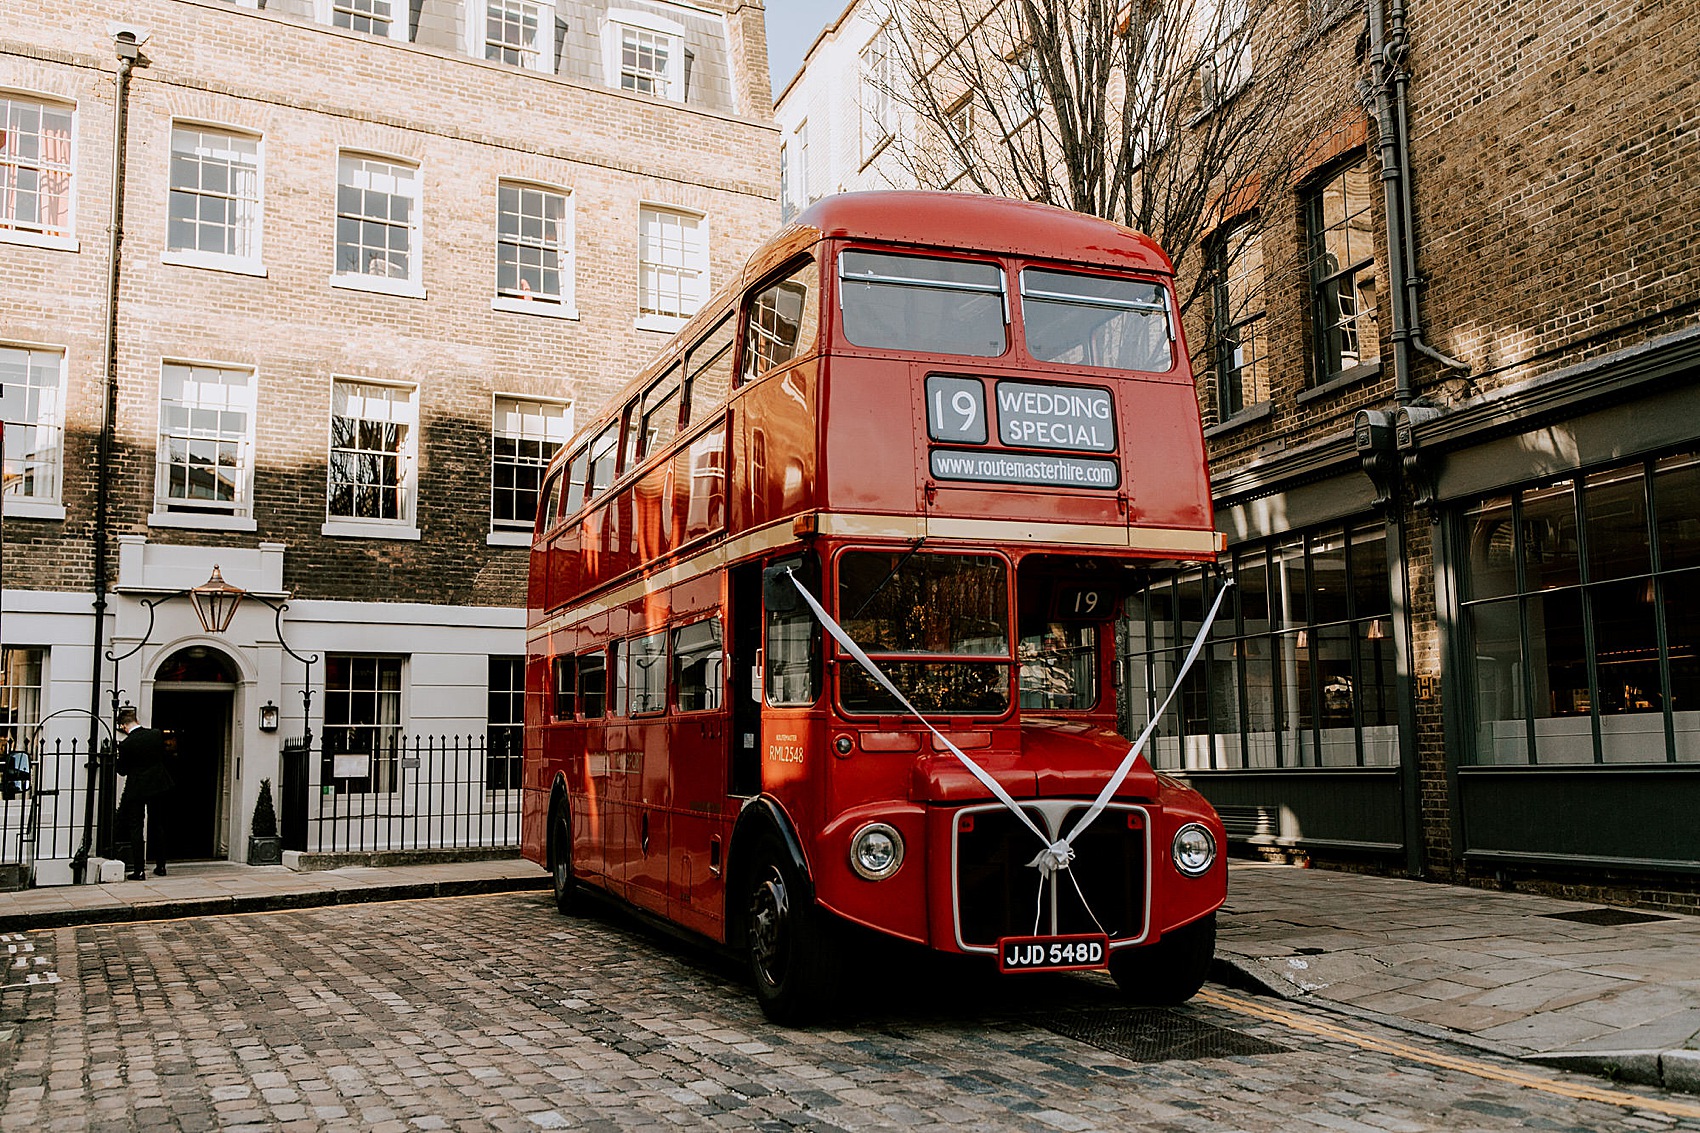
x: 209, y: 888
x: 1493, y: 969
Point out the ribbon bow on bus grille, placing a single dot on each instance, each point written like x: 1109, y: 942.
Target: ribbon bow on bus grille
x: 1057, y: 854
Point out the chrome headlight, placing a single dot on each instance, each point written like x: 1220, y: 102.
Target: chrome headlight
x: 876, y: 851
x: 1194, y: 849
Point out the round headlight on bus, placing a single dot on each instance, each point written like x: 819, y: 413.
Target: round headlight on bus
x: 876, y: 851
x: 1194, y: 849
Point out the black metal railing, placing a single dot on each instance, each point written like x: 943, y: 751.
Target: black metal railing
x: 403, y: 793
x: 41, y: 817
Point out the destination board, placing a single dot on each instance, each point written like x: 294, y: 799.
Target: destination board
x: 1081, y: 418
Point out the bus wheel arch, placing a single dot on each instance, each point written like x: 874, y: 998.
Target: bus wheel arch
x: 569, y: 896
x: 782, y: 935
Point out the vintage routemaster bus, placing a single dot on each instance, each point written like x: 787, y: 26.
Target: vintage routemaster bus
x: 822, y: 607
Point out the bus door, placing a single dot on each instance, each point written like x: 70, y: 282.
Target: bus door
x: 697, y: 752
x: 790, y: 676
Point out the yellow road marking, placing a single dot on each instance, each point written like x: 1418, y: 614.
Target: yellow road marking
x: 1474, y: 1067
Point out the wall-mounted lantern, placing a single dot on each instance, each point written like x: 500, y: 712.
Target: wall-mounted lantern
x: 268, y: 717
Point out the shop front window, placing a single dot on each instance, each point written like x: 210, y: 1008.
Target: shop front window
x: 1581, y: 635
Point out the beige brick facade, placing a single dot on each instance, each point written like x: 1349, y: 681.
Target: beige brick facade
x: 308, y: 92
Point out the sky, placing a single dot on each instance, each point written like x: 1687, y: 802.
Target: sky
x: 791, y: 27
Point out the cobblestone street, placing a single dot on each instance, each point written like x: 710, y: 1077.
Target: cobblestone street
x: 493, y: 1012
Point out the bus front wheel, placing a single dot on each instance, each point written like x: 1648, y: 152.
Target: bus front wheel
x: 569, y: 898
x: 1171, y: 971
x: 789, y: 950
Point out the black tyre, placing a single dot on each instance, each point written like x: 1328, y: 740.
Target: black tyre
x: 1170, y: 971
x: 569, y: 898
x: 791, y: 953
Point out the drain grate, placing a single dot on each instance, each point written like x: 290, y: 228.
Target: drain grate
x: 1152, y: 1034
x: 1608, y: 917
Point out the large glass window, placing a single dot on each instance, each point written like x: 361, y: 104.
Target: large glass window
x: 641, y: 675
x: 1059, y: 667
x: 20, y: 695
x: 905, y: 608
x: 1086, y: 320
x: 791, y: 645
x: 672, y: 263
x: 505, y: 723
x: 32, y: 382
x: 709, y: 365
x: 1242, y: 374
x: 1581, y: 626
x: 527, y: 435
x: 373, y: 431
x: 377, y: 218
x: 206, y: 438
x: 1340, y: 219
x: 521, y: 32
x: 915, y: 303
x: 362, y: 722
x: 534, y: 244
x: 1299, y: 667
x: 35, y: 166
x: 215, y: 194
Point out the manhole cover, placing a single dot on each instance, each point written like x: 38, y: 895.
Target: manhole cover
x: 1605, y: 917
x: 1152, y: 1034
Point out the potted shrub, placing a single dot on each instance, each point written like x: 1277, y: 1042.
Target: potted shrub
x: 265, y: 847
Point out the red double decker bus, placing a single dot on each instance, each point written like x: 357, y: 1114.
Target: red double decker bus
x: 822, y: 607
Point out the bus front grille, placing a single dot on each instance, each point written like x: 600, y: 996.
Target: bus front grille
x: 998, y: 894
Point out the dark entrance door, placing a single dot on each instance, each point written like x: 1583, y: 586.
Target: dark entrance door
x: 196, y: 724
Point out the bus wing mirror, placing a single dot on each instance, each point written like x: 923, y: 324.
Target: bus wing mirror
x: 778, y: 593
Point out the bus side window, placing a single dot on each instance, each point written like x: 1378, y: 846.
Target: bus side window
x: 603, y: 451
x: 576, y: 471
x: 698, y: 666
x: 592, y: 685
x: 566, y: 687
x: 710, y: 366
x: 648, y: 673
x: 792, y: 641
x: 548, y: 508
x: 780, y: 323
x: 660, y: 422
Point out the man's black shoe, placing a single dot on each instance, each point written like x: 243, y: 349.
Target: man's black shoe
x: 159, y: 870
x: 137, y: 876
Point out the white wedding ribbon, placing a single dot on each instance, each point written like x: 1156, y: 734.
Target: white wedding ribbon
x: 1057, y: 854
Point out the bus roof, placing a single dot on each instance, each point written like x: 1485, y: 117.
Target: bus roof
x: 976, y: 222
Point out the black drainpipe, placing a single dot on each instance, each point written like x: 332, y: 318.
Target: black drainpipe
x: 1388, y: 46
x: 127, y: 49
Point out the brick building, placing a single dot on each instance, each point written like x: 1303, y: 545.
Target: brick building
x: 371, y: 256
x: 1449, y: 379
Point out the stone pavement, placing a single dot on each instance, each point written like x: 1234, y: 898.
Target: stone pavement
x: 1490, y: 969
x: 1502, y: 971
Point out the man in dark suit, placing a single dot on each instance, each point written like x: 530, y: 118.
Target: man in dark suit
x: 147, y: 780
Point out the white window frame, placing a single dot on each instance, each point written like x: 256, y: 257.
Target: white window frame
x: 404, y: 525
x: 173, y: 511
x: 47, y: 504
x: 367, y: 280
x: 60, y: 237
x: 622, y: 20
x: 540, y: 55
x: 877, y: 73
x: 802, y: 189
x: 697, y: 270
x: 254, y: 262
x: 324, y: 12
x: 517, y: 533
x: 564, y: 305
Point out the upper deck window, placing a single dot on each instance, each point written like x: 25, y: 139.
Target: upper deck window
x: 923, y: 304
x: 1091, y: 320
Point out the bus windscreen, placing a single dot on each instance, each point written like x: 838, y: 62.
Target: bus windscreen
x: 1087, y: 320
x: 923, y: 304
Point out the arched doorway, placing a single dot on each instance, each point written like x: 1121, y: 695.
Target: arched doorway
x: 194, y: 692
